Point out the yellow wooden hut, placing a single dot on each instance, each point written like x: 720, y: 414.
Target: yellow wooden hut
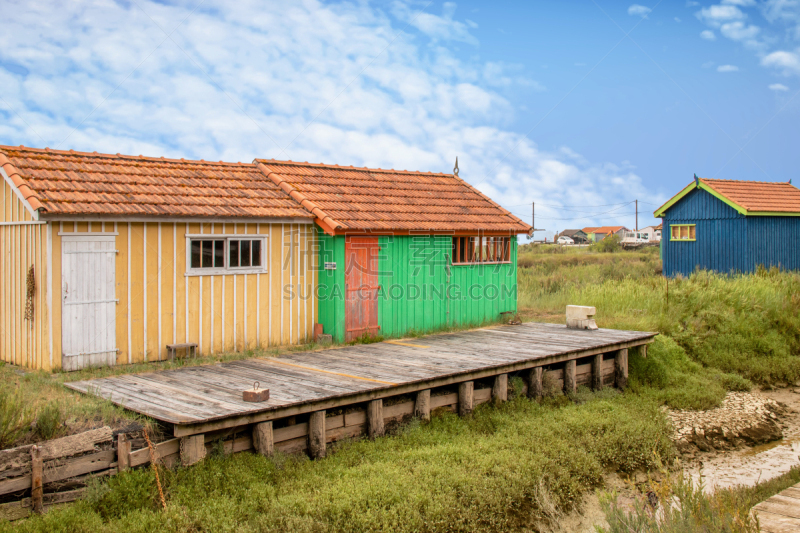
x: 107, y: 259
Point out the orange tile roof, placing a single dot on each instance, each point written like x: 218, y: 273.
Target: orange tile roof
x: 603, y: 229
x: 80, y: 183
x: 353, y: 199
x: 758, y: 196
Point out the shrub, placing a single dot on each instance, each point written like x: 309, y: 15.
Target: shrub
x: 49, y: 421
x: 610, y: 244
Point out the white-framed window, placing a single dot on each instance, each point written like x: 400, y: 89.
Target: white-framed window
x: 226, y: 254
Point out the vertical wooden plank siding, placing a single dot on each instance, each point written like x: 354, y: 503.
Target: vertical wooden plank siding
x: 158, y: 303
x: 420, y: 289
x: 22, y: 342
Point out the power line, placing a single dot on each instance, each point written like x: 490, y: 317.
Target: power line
x: 562, y: 206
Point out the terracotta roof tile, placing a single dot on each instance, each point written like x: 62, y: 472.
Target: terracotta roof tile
x: 75, y: 183
x: 353, y: 199
x: 758, y: 196
x: 603, y: 229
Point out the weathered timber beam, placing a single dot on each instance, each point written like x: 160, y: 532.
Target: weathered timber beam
x: 316, y: 435
x: 500, y: 388
x: 597, y: 372
x: 193, y: 449
x: 263, y: 439
x: 37, y: 489
x: 570, y: 376
x: 422, y: 405
x: 535, y: 388
x: 466, y: 392
x: 621, y: 369
x: 123, y: 452
x: 375, y: 418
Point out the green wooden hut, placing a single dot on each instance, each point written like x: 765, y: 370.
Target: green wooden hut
x: 401, y: 251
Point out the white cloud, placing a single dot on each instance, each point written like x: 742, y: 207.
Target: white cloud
x: 778, y: 87
x: 742, y: 3
x: 727, y: 68
x: 716, y: 15
x: 708, y: 35
x: 787, y: 62
x: 677, y: 19
x: 341, y: 83
x: 738, y: 31
x: 708, y: 64
x: 637, y: 10
x: 438, y: 28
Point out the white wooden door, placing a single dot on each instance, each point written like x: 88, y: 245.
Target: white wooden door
x: 89, y: 305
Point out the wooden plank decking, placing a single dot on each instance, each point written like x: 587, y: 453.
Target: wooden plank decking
x: 781, y: 513
x: 209, y: 397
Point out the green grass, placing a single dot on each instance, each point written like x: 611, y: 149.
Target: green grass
x: 686, y: 508
x: 514, y: 467
x: 718, y: 332
x: 503, y: 468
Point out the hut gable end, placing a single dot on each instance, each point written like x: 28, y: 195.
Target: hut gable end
x: 700, y: 205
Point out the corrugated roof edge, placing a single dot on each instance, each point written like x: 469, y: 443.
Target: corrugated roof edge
x: 338, y: 225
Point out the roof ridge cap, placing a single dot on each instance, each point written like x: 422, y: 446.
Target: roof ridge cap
x: 358, y: 169
x: 746, y: 181
x: 104, y: 155
x: 297, y: 196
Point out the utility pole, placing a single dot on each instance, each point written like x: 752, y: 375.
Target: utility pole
x: 533, y: 221
x: 637, y: 215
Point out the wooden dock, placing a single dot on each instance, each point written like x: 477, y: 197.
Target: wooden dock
x: 781, y: 513
x: 452, y: 370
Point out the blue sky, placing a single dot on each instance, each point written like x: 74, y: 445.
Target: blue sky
x: 579, y: 106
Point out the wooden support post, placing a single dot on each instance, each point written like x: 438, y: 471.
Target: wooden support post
x: 316, y: 434
x: 535, y: 388
x: 570, y: 375
x: 422, y: 407
x: 621, y: 369
x: 500, y: 388
x: 193, y: 449
x: 597, y: 372
x: 466, y: 396
x: 262, y: 438
x: 37, y: 470
x: 123, y: 452
x: 643, y: 351
x: 375, y: 418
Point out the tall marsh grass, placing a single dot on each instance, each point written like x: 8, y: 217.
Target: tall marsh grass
x: 517, y: 466
x: 738, y: 324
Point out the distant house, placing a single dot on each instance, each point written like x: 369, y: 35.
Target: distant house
x: 577, y: 235
x: 651, y: 233
x: 647, y: 235
x: 598, y: 234
x: 731, y: 226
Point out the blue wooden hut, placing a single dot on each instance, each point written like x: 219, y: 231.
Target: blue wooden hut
x: 731, y: 226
